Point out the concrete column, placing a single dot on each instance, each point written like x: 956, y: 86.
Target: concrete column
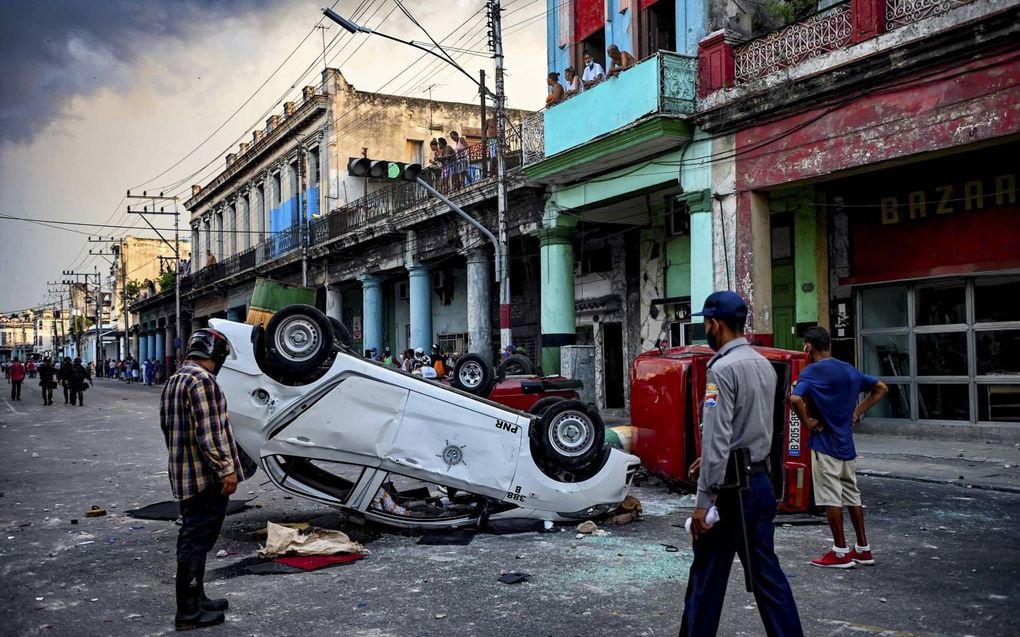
x: 702, y: 274
x: 334, y: 302
x: 159, y: 339
x: 372, y: 311
x: 556, y: 254
x: 143, y: 345
x: 479, y: 302
x: 151, y: 346
x: 805, y: 274
x: 420, y: 291
x: 168, y: 349
x: 218, y: 239
x: 754, y: 262
x: 136, y: 351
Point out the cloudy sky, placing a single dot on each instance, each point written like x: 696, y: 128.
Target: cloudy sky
x: 99, y: 96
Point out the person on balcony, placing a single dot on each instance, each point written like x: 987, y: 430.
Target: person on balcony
x: 447, y: 157
x: 620, y: 61
x: 573, y: 82
x: 460, y: 168
x: 555, y: 89
x: 209, y: 258
x: 593, y: 72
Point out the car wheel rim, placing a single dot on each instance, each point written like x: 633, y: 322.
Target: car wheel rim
x: 470, y: 375
x: 298, y: 338
x: 571, y: 433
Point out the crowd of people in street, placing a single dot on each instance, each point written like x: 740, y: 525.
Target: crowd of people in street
x: 437, y: 364
x: 592, y: 74
x: 74, y: 377
x: 150, y: 370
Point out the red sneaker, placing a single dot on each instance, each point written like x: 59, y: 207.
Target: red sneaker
x: 832, y: 560
x: 862, y: 557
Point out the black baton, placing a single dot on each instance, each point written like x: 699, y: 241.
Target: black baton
x: 738, y: 479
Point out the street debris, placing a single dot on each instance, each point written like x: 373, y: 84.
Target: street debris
x: 590, y: 528
x: 315, y: 562
x: 221, y: 553
x: 513, y: 578
x: 448, y: 537
x: 170, y: 510
x: 95, y: 512
x: 281, y: 540
x: 261, y: 533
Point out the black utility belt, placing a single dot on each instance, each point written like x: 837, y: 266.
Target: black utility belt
x: 762, y: 466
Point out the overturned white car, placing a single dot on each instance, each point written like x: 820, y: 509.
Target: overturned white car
x: 330, y: 426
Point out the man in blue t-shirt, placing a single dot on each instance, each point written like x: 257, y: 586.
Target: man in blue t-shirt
x: 825, y: 398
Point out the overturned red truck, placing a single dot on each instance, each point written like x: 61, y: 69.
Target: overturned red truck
x: 666, y: 396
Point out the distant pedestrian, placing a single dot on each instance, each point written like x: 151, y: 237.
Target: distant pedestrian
x: 47, y: 380
x: 7, y: 371
x: 136, y: 371
x: 825, y: 398
x: 65, y: 378
x: 204, y: 469
x: 159, y: 371
x: 78, y: 382
x: 17, y: 377
x: 407, y: 365
x: 30, y: 368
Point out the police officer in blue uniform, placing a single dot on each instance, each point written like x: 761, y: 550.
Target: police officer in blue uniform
x: 737, y: 415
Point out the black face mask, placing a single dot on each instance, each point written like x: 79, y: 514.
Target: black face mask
x: 712, y: 341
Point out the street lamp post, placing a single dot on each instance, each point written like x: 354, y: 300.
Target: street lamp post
x: 501, y: 242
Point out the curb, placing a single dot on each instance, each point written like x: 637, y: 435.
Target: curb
x: 958, y: 483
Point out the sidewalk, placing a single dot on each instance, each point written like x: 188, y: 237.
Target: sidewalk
x: 970, y: 464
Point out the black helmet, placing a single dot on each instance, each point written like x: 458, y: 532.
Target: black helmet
x: 211, y: 344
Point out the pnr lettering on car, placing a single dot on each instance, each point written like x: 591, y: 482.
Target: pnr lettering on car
x: 794, y: 446
x: 516, y: 495
x: 507, y: 426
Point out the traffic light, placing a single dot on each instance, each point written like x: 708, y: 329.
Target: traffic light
x: 382, y: 169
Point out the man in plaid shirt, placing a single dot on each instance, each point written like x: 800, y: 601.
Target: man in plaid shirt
x: 204, y: 469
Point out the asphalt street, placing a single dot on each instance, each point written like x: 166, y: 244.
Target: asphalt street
x: 948, y: 557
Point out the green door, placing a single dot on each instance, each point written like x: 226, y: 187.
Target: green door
x: 784, y: 300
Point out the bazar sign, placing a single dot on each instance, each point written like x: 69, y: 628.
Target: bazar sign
x: 975, y: 194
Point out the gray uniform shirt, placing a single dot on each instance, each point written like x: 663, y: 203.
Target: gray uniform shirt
x: 739, y: 400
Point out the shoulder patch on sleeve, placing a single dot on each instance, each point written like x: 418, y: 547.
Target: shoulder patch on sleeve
x: 711, y: 395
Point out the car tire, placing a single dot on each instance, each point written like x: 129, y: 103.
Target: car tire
x: 544, y: 403
x: 473, y: 374
x: 515, y: 365
x: 299, y: 339
x: 568, y: 435
x: 341, y: 334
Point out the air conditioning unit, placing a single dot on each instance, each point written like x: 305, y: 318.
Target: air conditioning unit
x: 402, y: 291
x: 438, y: 280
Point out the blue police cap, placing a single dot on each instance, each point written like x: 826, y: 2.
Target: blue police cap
x: 723, y: 305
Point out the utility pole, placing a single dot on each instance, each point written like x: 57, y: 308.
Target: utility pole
x: 175, y: 246
x: 496, y: 42
x: 302, y: 215
x: 58, y: 337
x: 99, y: 286
x: 485, y: 142
x: 121, y: 264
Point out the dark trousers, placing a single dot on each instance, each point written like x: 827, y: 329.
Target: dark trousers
x: 201, y: 520
x: 67, y: 394
x: 16, y: 389
x: 47, y: 394
x: 713, y: 557
x: 77, y: 395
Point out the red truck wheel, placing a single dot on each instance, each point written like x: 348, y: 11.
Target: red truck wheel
x: 473, y: 374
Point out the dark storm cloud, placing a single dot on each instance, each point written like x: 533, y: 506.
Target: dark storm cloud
x: 54, y: 50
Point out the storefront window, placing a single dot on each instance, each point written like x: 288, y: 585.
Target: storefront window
x: 942, y: 354
x: 999, y: 403
x: 940, y: 342
x: 884, y: 307
x: 941, y: 304
x: 887, y: 355
x: 896, y: 403
x: 998, y: 352
x: 943, y: 402
x: 997, y: 300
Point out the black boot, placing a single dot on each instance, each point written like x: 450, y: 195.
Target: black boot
x: 220, y: 604
x: 190, y: 613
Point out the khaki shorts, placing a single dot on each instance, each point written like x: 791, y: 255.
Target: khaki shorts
x: 835, y: 481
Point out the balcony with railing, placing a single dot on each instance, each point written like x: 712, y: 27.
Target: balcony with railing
x: 724, y: 63
x: 642, y: 99
x: 470, y: 173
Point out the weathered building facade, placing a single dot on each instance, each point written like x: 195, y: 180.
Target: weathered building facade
x: 397, y: 267
x: 864, y: 178
x: 621, y: 226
